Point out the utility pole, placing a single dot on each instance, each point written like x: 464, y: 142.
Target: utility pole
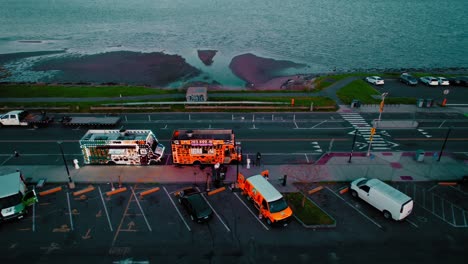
x: 443, y: 145
x: 352, y: 147
x: 71, y: 184
x: 376, y: 123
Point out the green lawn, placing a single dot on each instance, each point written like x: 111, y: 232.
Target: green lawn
x: 310, y: 214
x: 27, y: 90
x: 360, y: 90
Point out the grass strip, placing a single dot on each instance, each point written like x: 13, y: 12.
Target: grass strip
x: 309, y: 214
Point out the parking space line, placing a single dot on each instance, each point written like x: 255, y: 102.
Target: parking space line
x: 415, y: 225
x: 181, y: 217
x: 251, y: 212
x: 141, y: 209
x: 370, y: 219
x: 105, y: 209
x: 216, y: 213
x: 121, y: 220
x: 443, y: 207
x: 430, y: 189
x: 458, y: 190
x: 69, y: 211
x: 453, y: 215
x: 34, y: 217
x: 464, y: 217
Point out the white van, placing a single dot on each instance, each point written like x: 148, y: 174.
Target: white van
x: 393, y: 203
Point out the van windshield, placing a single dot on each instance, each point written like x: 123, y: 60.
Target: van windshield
x: 360, y: 183
x: 10, y: 201
x: 278, y: 205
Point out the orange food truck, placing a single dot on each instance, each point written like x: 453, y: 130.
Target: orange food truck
x: 205, y: 147
x: 271, y: 204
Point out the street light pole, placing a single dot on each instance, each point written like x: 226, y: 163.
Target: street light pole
x: 352, y: 147
x: 71, y: 184
x: 443, y: 145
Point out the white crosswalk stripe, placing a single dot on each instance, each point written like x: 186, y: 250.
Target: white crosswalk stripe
x: 364, y: 130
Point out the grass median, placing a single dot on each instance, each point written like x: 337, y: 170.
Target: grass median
x: 306, y: 211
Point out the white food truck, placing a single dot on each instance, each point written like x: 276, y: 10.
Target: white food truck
x: 14, y: 197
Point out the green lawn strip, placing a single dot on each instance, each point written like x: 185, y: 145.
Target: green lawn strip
x: 360, y: 90
x: 27, y: 90
x: 298, y: 100
x: 310, y: 214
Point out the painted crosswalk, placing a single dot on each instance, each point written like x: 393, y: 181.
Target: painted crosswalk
x: 364, y: 129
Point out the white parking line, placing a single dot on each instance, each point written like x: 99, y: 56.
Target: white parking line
x: 430, y: 189
x: 105, y: 209
x: 415, y: 225
x: 251, y: 212
x: 69, y: 211
x: 34, y: 217
x: 458, y: 190
x: 141, y: 209
x: 216, y: 213
x: 352, y: 206
x: 306, y: 157
x: 181, y: 217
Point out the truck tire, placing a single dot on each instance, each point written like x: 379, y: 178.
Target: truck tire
x: 354, y: 194
x: 111, y: 163
x: 387, y: 214
x: 196, y: 163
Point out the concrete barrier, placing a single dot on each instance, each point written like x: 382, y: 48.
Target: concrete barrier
x: 116, y: 191
x: 447, y: 183
x: 50, y: 191
x: 316, y: 189
x: 90, y: 188
x: 217, y: 191
x: 142, y: 194
x: 345, y: 190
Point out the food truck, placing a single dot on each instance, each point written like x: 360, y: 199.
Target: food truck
x: 209, y: 146
x: 14, y: 197
x: 121, y: 147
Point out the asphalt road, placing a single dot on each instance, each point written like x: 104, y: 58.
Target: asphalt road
x: 285, y: 137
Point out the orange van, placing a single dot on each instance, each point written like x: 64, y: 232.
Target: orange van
x: 270, y: 203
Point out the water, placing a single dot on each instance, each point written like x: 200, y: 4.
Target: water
x: 346, y: 34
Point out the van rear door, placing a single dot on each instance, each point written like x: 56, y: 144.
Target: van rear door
x: 406, y: 209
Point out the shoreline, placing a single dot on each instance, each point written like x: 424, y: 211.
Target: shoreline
x: 159, y: 70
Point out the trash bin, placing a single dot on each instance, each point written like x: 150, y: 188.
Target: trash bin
x: 420, y: 155
x: 429, y: 102
x: 420, y: 102
x: 355, y: 103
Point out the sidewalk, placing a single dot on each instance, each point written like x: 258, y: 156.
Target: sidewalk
x: 388, y: 166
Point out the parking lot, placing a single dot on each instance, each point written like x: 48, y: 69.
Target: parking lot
x: 126, y: 223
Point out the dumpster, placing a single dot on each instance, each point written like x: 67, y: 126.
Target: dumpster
x: 429, y: 102
x: 420, y: 102
x: 420, y: 155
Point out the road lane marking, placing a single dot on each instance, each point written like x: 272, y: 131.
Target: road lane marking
x: 34, y: 217
x: 352, y: 206
x: 306, y: 157
x: 319, y: 124
x: 141, y: 209
x: 216, y: 213
x: 251, y: 212
x: 69, y: 211
x: 105, y: 209
x: 181, y: 217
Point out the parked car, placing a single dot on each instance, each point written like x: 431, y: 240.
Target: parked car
x: 195, y: 204
x: 429, y: 80
x: 375, y: 80
x: 443, y: 81
x: 459, y: 81
x: 408, y: 79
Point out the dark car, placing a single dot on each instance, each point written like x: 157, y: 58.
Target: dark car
x: 195, y: 204
x: 459, y: 81
x: 408, y: 79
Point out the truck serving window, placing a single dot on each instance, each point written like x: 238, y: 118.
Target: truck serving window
x: 10, y: 201
x: 278, y: 205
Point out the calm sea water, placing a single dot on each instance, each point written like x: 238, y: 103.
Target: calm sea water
x: 346, y: 34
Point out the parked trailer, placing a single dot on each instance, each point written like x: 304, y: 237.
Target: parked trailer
x: 92, y: 121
